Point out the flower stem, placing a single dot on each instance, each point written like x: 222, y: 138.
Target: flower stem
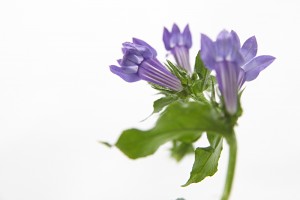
x: 231, y: 140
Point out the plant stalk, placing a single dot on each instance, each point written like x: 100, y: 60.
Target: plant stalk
x: 231, y: 140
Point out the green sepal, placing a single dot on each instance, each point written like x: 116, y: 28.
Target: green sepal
x: 163, y: 90
x: 180, y: 121
x: 178, y: 72
x: 202, y: 72
x: 206, y: 159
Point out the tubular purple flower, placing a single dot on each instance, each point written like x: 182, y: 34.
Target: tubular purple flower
x: 233, y: 64
x: 179, y: 45
x: 139, y: 63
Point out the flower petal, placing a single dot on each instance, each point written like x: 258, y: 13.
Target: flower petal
x: 154, y: 74
x: 175, y: 36
x: 224, y: 44
x: 256, y: 65
x: 228, y: 79
x: 128, y: 77
x: 166, y: 39
x: 241, y: 78
x: 208, y: 52
x: 120, y: 62
x: 129, y: 47
x: 181, y: 55
x: 235, y: 39
x: 228, y: 47
x: 175, y: 29
x: 187, y: 37
x: 130, y: 59
x: 143, y: 43
x: 249, y: 49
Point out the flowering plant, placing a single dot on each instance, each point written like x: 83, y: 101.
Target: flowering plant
x: 205, y: 100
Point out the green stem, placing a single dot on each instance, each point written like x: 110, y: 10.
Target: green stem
x: 231, y: 140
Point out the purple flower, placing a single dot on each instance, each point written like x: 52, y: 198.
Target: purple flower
x: 139, y: 63
x: 179, y: 45
x: 233, y: 64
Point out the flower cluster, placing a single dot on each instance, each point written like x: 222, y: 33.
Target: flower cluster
x: 189, y: 97
x: 233, y: 63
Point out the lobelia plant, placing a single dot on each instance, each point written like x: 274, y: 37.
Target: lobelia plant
x: 190, y: 99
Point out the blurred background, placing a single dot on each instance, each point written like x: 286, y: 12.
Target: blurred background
x: 58, y: 99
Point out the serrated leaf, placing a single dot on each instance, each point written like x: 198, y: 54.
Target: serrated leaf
x: 181, y: 149
x: 180, y: 121
x: 206, y: 160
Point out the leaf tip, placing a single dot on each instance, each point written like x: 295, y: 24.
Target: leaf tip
x: 106, y: 144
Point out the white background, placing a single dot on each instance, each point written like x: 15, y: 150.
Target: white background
x: 58, y: 99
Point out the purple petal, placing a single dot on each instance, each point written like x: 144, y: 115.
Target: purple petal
x: 187, y: 37
x: 249, y: 49
x: 154, y: 74
x: 182, y: 57
x: 159, y: 66
x: 236, y: 56
x: 175, y: 36
x: 224, y: 44
x: 166, y: 39
x: 241, y: 78
x: 119, y: 61
x: 128, y: 77
x: 256, y: 65
x: 136, y: 49
x: 129, y: 47
x: 228, y: 80
x: 175, y: 29
x: 130, y: 59
x: 131, y: 66
x: 143, y: 43
x: 126, y: 62
x: 208, y: 52
x: 235, y: 39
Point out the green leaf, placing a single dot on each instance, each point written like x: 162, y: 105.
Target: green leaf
x: 159, y: 104
x: 180, y: 121
x: 200, y: 69
x: 206, y: 160
x: 213, y: 139
x: 181, y: 149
